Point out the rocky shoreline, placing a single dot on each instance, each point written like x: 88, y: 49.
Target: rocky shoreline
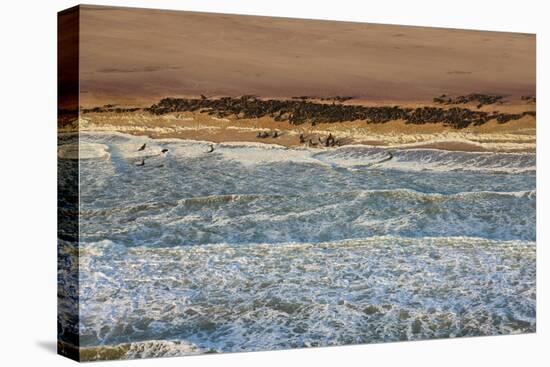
x: 306, y: 109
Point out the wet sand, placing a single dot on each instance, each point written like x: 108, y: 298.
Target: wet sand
x: 513, y: 136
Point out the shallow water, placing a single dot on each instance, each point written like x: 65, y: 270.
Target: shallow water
x: 256, y: 247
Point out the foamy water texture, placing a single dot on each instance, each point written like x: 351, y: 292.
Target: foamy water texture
x: 254, y: 247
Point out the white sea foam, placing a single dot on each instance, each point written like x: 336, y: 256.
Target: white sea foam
x: 513, y: 144
x: 257, y: 246
x: 83, y: 151
x: 254, y: 154
x: 428, y: 159
x: 263, y: 296
x: 355, y: 157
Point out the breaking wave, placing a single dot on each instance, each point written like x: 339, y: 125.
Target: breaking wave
x: 312, y: 217
x: 254, y: 247
x: 225, y: 297
x: 353, y: 157
x: 358, y: 157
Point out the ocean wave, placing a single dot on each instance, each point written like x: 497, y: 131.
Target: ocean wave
x: 511, y: 143
x: 352, y: 157
x: 105, y: 247
x: 360, y: 157
x: 228, y: 198
x: 226, y: 298
x: 314, y: 217
x: 255, y: 247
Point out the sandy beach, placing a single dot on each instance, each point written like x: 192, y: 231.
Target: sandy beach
x: 517, y: 135
x: 280, y: 58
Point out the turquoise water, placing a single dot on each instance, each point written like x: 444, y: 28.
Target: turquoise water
x: 255, y: 247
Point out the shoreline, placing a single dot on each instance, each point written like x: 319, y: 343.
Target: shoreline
x: 517, y: 137
x: 442, y: 145
x: 472, y: 123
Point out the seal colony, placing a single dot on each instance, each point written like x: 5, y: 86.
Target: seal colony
x: 272, y: 80
x: 300, y: 110
x: 472, y: 122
